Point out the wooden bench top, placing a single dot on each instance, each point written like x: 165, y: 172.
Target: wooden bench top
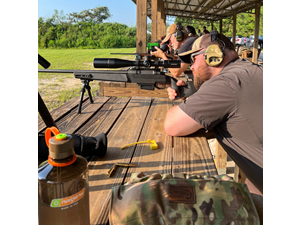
x: 127, y: 120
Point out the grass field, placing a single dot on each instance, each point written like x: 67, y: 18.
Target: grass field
x: 56, y: 89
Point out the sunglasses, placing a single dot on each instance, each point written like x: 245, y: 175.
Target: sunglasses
x: 194, y: 54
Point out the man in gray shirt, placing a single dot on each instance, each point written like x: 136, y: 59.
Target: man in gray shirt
x: 229, y: 100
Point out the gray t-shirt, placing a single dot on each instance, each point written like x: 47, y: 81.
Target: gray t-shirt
x: 232, y: 104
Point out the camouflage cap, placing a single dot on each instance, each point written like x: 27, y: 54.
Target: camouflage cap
x: 205, y: 40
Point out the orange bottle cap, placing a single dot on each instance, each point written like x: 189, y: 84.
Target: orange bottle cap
x: 54, y: 130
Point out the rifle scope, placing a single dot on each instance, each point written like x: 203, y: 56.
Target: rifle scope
x: 117, y: 63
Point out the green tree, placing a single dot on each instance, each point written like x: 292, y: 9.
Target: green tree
x: 245, y: 23
x: 95, y: 15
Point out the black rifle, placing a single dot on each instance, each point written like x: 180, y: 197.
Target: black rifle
x: 140, y: 73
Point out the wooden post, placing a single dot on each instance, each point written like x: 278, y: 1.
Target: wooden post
x: 220, y: 26
x: 212, y: 25
x: 256, y: 33
x: 239, y: 176
x: 163, y: 19
x: 154, y: 18
x: 141, y: 26
x: 234, y: 28
x: 220, y: 159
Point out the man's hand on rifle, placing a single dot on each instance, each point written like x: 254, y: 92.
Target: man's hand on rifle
x: 174, y: 57
x: 172, y: 93
x: 158, y: 53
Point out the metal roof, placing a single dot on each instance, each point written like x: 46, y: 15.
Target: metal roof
x: 212, y: 10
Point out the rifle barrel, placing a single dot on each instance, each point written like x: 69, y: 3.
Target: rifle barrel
x: 82, y: 71
x: 63, y: 71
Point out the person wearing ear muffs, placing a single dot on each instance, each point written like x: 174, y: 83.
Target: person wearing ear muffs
x: 229, y: 100
x: 180, y: 39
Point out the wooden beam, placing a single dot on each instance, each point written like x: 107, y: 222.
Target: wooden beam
x: 159, y: 19
x: 163, y: 20
x: 220, y: 159
x: 225, y: 6
x: 239, y: 175
x: 256, y: 33
x: 154, y: 19
x: 141, y: 26
x: 192, y: 13
x: 220, y: 26
x: 234, y: 28
x: 209, y: 5
x: 200, y: 4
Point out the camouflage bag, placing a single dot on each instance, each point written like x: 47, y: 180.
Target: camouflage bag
x: 182, y: 199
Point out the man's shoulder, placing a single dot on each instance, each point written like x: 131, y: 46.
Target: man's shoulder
x: 239, y: 70
x: 240, y: 64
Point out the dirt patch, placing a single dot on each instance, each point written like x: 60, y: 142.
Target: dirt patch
x: 57, y: 82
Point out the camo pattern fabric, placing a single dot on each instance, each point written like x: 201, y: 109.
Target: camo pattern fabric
x: 182, y: 199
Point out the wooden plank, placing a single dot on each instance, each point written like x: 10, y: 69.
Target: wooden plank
x: 105, y: 118
x: 126, y: 130
x: 194, y: 151
x: 221, y: 26
x: 220, y: 159
x: 157, y: 160
x: 61, y: 111
x: 141, y: 26
x: 73, y: 121
x: 104, y: 85
x: 129, y: 89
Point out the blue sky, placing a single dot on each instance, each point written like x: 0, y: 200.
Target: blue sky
x: 122, y: 11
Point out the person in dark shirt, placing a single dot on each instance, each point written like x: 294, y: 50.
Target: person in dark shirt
x: 180, y: 40
x: 205, y: 31
x: 229, y: 100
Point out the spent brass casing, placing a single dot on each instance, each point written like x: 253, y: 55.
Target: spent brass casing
x: 111, y: 170
x: 125, y: 164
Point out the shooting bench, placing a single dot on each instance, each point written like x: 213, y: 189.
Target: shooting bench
x: 242, y: 52
x: 126, y: 120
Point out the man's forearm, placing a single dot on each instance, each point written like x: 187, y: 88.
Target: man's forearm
x: 178, y: 123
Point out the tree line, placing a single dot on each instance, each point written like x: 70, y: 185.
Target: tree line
x: 84, y: 30
x: 87, y: 29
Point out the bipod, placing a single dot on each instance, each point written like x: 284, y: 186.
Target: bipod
x: 85, y: 85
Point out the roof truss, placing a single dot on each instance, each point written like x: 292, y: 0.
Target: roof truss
x: 213, y: 10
